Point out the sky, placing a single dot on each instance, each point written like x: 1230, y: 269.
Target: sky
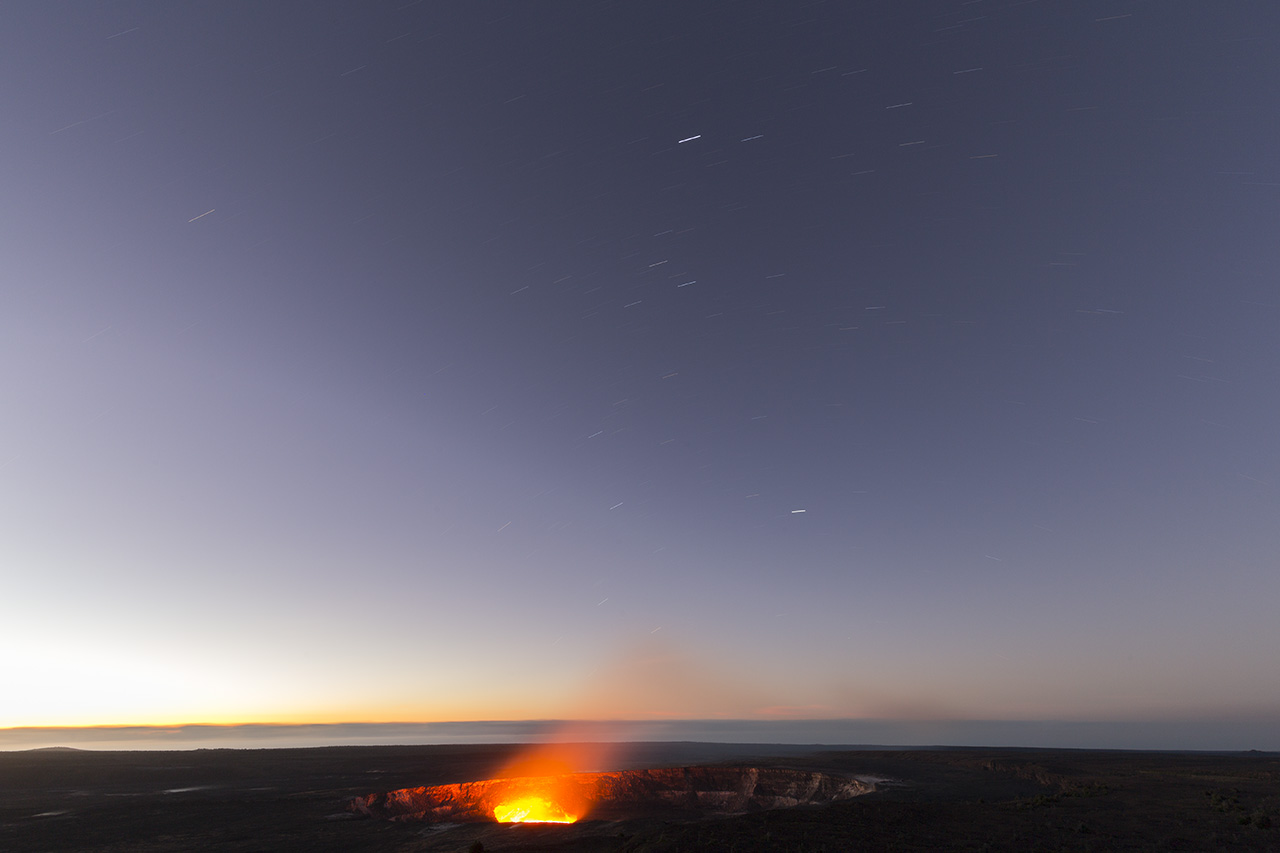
x: 447, y: 361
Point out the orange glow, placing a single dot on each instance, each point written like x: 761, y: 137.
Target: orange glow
x: 531, y: 810
x: 541, y: 786
x: 575, y: 748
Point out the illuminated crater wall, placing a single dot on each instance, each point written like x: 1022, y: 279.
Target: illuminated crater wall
x: 691, y: 791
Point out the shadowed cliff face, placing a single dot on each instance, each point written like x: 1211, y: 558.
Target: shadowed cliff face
x: 619, y: 795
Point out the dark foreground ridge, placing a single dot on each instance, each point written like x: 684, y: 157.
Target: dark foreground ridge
x: 237, y: 801
x: 627, y: 794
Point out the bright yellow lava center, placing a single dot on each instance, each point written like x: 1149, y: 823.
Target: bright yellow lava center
x: 532, y: 810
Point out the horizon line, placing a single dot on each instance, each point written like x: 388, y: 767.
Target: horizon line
x: 660, y: 721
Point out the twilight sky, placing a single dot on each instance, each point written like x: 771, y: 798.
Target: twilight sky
x: 507, y: 360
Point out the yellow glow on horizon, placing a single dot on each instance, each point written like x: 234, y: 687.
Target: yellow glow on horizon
x: 115, y: 688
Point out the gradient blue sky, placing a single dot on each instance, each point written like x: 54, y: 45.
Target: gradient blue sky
x: 748, y: 360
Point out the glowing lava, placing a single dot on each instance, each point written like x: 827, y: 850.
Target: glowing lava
x: 531, y: 810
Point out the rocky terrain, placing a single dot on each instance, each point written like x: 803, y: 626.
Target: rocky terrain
x: 243, y: 800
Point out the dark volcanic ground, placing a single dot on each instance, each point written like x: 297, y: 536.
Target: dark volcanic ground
x: 961, y: 799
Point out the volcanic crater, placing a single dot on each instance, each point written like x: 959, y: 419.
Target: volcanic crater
x: 679, y: 792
